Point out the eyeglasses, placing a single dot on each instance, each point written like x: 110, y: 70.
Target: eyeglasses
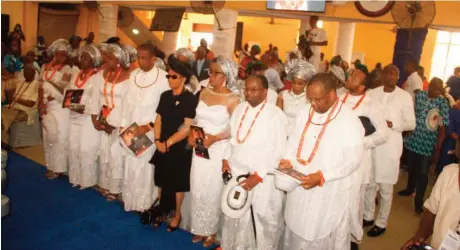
x: 215, y: 73
x: 319, y: 99
x: 172, y: 77
x: 252, y: 90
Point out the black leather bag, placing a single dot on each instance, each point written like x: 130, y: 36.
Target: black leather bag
x: 367, y: 124
x: 148, y: 217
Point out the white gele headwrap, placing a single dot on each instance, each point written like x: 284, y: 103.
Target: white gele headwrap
x: 187, y: 53
x: 93, y: 52
x: 120, y: 54
x: 301, y: 69
x: 230, y: 70
x: 132, y: 52
x: 338, y: 72
x: 102, y: 47
x: 160, y: 64
x: 58, y: 45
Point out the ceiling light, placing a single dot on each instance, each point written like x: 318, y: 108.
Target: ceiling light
x: 319, y: 24
x: 136, y: 32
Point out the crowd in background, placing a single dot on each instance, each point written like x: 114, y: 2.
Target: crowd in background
x: 273, y: 103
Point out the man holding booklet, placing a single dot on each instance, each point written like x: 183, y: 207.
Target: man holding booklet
x: 139, y: 104
x: 258, y: 139
x: 326, y: 146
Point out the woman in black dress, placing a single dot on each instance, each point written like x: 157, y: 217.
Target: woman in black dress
x: 172, y: 159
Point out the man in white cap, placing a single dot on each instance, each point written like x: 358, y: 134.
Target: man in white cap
x: 254, y: 123
x: 326, y: 146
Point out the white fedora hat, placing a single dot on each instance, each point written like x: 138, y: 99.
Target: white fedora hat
x: 235, y: 200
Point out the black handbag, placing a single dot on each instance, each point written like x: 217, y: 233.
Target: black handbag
x: 148, y: 216
x: 367, y: 124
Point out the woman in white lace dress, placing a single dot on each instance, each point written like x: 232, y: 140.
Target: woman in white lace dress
x: 55, y: 77
x: 213, y: 114
x: 291, y: 101
x: 110, y: 86
x: 83, y: 137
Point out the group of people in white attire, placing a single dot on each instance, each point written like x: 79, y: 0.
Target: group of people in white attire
x: 78, y: 141
x: 346, y: 145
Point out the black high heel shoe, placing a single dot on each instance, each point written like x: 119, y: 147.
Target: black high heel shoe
x: 171, y: 228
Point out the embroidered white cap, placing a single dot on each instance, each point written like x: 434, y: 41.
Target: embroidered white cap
x: 235, y: 201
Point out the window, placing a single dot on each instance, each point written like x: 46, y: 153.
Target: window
x: 445, y: 56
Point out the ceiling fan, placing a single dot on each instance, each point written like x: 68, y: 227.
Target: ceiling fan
x: 209, y: 7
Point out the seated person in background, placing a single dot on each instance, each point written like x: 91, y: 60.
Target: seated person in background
x: 442, y: 212
x: 25, y: 96
x: 12, y: 59
x: 21, y: 100
x: 8, y: 83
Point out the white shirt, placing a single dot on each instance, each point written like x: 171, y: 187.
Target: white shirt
x: 372, y: 111
x: 317, y: 35
x: 199, y: 65
x: 274, y: 80
x: 142, y: 97
x: 341, y: 91
x: 398, y: 108
x: 204, y: 83
x: 292, y: 104
x: 444, y: 202
x: 29, y: 92
x: 315, y: 213
x: 413, y: 83
x: 269, y: 130
x: 272, y: 96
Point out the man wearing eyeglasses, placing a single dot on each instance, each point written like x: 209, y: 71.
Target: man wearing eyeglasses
x: 326, y: 146
x: 258, y: 138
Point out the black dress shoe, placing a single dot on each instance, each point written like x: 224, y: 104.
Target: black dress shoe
x: 354, y: 246
x: 367, y: 223
x: 376, y: 231
x: 405, y: 192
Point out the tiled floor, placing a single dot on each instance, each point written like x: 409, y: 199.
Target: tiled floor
x: 402, y: 224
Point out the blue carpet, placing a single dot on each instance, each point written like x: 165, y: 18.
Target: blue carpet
x: 50, y: 214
